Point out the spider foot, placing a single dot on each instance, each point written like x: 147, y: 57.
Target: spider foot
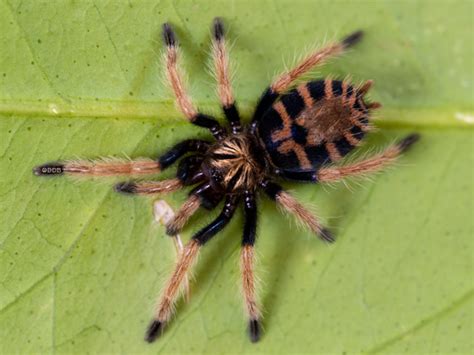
x: 352, y: 39
x: 126, y: 187
x: 168, y: 35
x: 154, y: 331
x: 326, y: 234
x: 408, y: 141
x: 254, y: 330
x: 49, y: 169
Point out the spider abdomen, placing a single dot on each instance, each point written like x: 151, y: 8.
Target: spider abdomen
x: 316, y: 123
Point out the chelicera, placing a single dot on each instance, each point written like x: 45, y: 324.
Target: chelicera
x: 297, y: 132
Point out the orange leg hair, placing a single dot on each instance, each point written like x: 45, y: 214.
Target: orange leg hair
x: 222, y: 73
x: 173, y: 74
x: 291, y: 205
x: 187, y: 209
x: 221, y: 64
x: 283, y: 82
x: 371, y: 165
x: 177, y: 84
x: 164, y: 308
x: 247, y: 261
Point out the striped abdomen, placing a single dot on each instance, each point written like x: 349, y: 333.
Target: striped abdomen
x: 317, y: 123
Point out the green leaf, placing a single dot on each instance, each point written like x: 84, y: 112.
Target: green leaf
x: 80, y: 266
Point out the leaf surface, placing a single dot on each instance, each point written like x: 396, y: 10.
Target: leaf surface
x: 81, y: 266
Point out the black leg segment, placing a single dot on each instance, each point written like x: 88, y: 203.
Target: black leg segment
x: 254, y: 330
x: 352, y: 39
x: 189, y: 170
x: 210, y: 123
x: 232, y: 115
x: 180, y: 149
x: 250, y: 226
x: 303, y: 176
x: 219, y: 223
x: 218, y: 29
x: 408, y: 141
x: 271, y: 189
x: 55, y: 168
x: 154, y: 330
x: 208, y: 196
x: 168, y: 35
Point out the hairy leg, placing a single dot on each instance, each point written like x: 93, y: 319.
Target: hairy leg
x: 165, y: 306
x: 364, y: 167
x: 318, y: 57
x: 187, y: 209
x: 169, y: 296
x: 182, y: 148
x: 371, y: 165
x: 177, y: 84
x: 291, y: 205
x: 113, y: 166
x: 285, y: 80
x: 247, y: 261
x: 221, y: 68
x: 99, y: 167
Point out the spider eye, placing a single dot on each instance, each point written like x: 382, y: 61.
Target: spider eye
x: 216, y: 175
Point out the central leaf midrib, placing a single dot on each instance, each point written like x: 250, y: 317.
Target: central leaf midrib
x: 165, y: 112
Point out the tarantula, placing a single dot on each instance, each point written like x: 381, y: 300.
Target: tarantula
x: 296, y: 133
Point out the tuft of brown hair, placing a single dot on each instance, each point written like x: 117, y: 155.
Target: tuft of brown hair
x: 186, y: 210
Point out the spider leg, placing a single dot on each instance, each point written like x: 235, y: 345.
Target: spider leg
x: 370, y: 165
x: 169, y: 296
x: 221, y: 68
x: 182, y: 98
x: 247, y: 261
x: 328, y: 174
x: 99, y: 167
x: 302, y: 176
x: 187, y: 209
x: 182, y: 148
x: 203, y: 195
x: 113, y: 167
x: 373, y: 164
x: 283, y: 82
x: 289, y: 204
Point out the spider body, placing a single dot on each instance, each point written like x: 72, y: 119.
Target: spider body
x: 314, y: 124
x: 233, y: 165
x: 295, y: 134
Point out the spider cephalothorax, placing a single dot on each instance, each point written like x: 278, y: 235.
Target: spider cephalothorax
x: 234, y: 165
x: 296, y: 133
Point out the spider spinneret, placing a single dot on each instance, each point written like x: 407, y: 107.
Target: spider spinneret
x: 296, y: 133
